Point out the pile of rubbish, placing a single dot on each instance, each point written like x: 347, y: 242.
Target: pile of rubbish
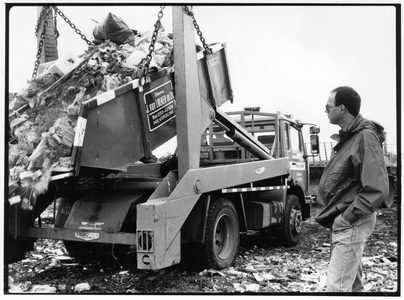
x: 43, y: 116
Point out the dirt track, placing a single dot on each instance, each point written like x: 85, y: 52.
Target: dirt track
x: 261, y: 267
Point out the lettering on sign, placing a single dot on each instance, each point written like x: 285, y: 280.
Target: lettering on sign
x: 213, y: 62
x: 160, y: 105
x: 91, y: 225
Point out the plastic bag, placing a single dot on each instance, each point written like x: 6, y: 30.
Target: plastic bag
x: 134, y: 59
x: 113, y: 28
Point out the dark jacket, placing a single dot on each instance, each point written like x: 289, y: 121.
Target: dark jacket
x: 355, y: 180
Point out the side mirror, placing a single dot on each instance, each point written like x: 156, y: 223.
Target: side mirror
x: 314, y: 130
x: 314, y: 143
x: 314, y: 140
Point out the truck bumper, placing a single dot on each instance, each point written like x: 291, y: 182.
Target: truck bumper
x: 81, y: 235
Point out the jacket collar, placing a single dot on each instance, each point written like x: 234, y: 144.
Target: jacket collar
x: 357, y: 125
x: 352, y: 130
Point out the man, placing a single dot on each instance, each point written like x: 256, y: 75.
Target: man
x: 353, y: 185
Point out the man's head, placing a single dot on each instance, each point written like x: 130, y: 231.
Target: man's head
x: 349, y: 97
x: 343, y: 106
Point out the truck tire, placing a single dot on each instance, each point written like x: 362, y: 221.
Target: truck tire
x: 15, y: 249
x: 222, y: 238
x: 292, y: 221
x: 87, y: 251
x: 81, y: 250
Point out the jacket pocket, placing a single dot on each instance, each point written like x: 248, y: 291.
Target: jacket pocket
x: 338, y: 204
x: 340, y: 224
x: 326, y: 217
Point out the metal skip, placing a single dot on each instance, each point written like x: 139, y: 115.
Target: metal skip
x: 101, y: 211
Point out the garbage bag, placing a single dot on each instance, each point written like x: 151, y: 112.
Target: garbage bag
x: 113, y: 28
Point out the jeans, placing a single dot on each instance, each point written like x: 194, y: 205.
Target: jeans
x: 347, y: 244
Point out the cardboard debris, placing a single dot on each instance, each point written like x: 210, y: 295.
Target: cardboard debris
x: 252, y: 287
x: 43, y: 289
x: 81, y: 287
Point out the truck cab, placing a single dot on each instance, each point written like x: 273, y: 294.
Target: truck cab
x: 283, y: 137
x: 280, y: 133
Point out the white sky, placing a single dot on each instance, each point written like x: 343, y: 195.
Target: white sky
x: 282, y: 58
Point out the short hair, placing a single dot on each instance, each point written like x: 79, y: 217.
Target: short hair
x: 349, y: 97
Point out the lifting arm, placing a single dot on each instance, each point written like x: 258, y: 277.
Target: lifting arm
x: 241, y: 136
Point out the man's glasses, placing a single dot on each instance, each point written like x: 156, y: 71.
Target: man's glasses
x: 327, y: 108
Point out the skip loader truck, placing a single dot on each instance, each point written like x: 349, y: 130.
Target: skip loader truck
x: 231, y: 172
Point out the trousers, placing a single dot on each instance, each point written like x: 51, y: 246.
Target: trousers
x: 347, y: 244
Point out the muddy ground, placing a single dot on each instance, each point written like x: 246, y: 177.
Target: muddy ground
x: 262, y: 267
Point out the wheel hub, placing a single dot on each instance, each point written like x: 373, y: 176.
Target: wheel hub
x: 224, y: 240
x: 296, y: 220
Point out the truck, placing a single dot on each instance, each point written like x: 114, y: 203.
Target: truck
x: 231, y: 172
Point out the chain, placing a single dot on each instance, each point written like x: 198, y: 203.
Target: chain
x: 48, y: 10
x: 157, y: 26
x: 198, y: 31
x: 41, y: 39
x: 40, y: 20
x: 55, y: 21
x: 83, y: 37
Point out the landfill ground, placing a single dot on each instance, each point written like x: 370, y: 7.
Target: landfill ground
x: 261, y: 267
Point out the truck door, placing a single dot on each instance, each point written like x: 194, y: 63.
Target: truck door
x: 295, y: 152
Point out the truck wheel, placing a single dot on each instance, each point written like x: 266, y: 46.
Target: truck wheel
x: 17, y: 248
x: 222, y: 234
x: 93, y: 251
x: 292, y: 221
x: 80, y: 250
